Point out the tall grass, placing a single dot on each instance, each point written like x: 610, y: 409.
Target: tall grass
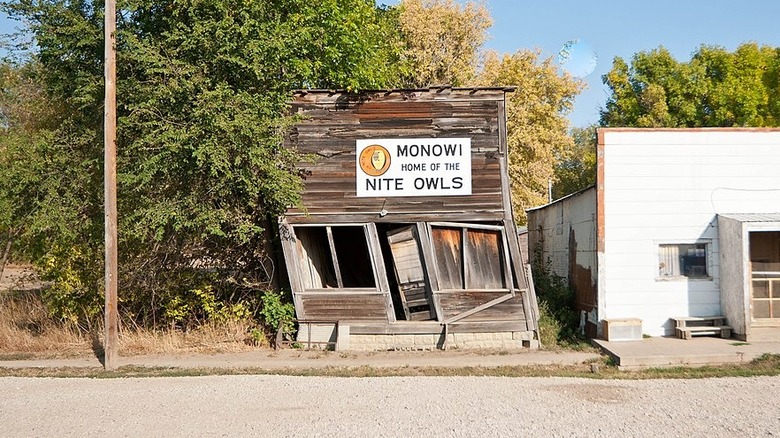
x: 27, y: 330
x: 25, y: 327
x: 558, y: 318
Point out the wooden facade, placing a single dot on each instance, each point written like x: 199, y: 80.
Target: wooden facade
x: 381, y: 261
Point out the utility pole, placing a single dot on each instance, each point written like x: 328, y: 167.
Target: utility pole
x: 110, y: 346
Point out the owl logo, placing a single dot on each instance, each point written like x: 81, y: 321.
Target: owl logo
x: 374, y: 160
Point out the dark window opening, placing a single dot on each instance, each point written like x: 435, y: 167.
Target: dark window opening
x: 335, y: 257
x: 317, y: 267
x: 353, y: 256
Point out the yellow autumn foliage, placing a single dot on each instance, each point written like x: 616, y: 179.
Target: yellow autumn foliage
x: 537, y: 128
x: 443, y: 40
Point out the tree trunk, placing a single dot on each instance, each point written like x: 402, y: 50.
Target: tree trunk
x: 6, y: 253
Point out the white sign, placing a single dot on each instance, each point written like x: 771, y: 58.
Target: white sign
x: 413, y: 167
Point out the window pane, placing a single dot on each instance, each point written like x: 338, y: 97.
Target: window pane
x: 669, y: 261
x: 775, y: 308
x: 317, y: 266
x: 693, y: 260
x: 775, y: 284
x: 761, y: 309
x: 760, y: 289
x: 484, y: 260
x: 448, y: 255
x: 688, y: 260
x: 353, y: 256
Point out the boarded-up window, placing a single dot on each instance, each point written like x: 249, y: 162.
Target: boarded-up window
x: 334, y: 257
x: 447, y: 247
x: 469, y: 257
x: 484, y: 259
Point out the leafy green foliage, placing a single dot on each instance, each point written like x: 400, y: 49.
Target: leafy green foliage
x: 536, y: 121
x: 575, y: 168
x: 558, y: 318
x: 277, y: 314
x: 202, y: 113
x: 714, y: 88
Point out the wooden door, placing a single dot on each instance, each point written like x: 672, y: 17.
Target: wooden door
x: 408, y: 266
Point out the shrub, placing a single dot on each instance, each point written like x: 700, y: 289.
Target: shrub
x: 558, y: 318
x: 277, y: 314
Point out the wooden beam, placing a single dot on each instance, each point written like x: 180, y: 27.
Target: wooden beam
x: 336, y: 266
x: 110, y: 346
x: 380, y: 272
x: 431, y: 272
x: 510, y: 227
x: 479, y: 308
x: 292, y: 259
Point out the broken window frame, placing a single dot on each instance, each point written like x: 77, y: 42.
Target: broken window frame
x: 369, y: 238
x: 506, y: 273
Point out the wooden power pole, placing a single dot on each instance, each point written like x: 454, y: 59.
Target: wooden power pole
x: 110, y: 346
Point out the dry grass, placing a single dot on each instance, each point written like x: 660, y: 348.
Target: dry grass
x: 212, y: 338
x: 25, y: 328
x: 27, y: 331
x: 767, y: 365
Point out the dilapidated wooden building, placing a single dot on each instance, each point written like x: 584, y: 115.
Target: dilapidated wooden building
x: 406, y: 237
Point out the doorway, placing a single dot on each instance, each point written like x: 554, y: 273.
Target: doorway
x: 765, y: 277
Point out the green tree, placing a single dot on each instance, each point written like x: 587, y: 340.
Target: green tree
x: 575, y: 168
x: 714, y: 88
x: 202, y: 100
x: 536, y: 121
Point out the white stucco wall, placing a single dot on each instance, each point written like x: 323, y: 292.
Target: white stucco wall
x: 667, y: 186
x: 734, y: 272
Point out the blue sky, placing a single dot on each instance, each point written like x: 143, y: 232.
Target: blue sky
x: 620, y: 28
x: 623, y: 27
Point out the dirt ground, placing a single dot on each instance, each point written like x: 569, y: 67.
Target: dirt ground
x: 290, y: 406
x: 19, y: 277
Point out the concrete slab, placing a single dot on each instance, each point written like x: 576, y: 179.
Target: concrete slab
x: 669, y: 351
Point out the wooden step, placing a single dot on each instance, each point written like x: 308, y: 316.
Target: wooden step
x: 723, y: 331
x: 699, y: 321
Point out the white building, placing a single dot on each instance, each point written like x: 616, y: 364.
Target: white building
x: 681, y: 222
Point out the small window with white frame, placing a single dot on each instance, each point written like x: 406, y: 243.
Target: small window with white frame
x: 683, y: 260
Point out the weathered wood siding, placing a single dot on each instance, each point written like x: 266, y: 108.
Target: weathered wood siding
x: 469, y: 281
x: 343, y: 306
x: 333, y: 122
x: 455, y: 303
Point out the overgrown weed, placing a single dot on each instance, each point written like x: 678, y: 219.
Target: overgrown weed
x: 28, y: 331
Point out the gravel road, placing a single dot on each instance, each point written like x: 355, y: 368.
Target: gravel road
x: 283, y: 406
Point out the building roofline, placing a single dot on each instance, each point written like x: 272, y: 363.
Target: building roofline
x: 570, y: 195
x: 702, y: 129
x: 436, y: 89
